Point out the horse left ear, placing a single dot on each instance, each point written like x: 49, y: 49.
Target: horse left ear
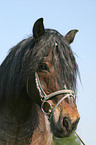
x: 38, y: 28
x: 69, y: 37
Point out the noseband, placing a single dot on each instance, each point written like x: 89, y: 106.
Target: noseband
x: 45, y: 97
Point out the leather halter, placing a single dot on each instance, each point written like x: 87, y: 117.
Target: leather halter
x: 45, y: 97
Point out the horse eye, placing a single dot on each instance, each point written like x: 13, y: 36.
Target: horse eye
x: 43, y: 66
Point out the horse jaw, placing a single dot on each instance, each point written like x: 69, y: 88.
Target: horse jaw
x: 42, y: 134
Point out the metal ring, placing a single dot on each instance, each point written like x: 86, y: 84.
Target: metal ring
x: 46, y: 107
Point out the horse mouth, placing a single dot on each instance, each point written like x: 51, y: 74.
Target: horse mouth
x: 63, y: 128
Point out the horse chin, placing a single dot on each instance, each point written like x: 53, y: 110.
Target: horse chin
x: 61, y: 134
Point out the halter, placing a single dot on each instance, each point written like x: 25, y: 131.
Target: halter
x: 45, y: 97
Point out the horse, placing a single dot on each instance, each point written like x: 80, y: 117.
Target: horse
x: 37, y: 89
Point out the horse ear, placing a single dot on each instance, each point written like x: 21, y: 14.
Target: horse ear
x: 69, y: 37
x: 38, y: 28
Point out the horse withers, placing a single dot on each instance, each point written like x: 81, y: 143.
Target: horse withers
x: 37, y: 89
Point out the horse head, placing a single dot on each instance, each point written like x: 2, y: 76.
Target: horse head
x: 55, y: 78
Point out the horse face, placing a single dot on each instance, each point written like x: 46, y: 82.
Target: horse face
x: 53, y: 77
x: 65, y: 117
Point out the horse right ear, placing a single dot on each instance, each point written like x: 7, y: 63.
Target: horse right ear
x: 38, y: 28
x: 69, y: 37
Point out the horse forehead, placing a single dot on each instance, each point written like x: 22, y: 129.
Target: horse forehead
x: 48, y: 57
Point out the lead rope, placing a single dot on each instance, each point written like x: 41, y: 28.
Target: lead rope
x: 79, y: 138
x: 45, y: 97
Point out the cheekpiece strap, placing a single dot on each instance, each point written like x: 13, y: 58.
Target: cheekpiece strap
x: 41, y: 91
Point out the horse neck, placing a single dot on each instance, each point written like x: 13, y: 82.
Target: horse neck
x: 16, y: 130
x: 16, y: 125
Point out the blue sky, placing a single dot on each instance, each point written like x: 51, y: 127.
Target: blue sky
x: 16, y: 22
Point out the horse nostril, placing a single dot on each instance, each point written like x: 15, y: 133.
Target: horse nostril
x: 66, y: 123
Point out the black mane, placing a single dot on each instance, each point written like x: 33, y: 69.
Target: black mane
x: 24, y: 58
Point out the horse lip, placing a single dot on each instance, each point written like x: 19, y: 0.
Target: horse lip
x: 60, y: 131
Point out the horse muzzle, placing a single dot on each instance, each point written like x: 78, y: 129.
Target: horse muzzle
x: 64, y: 127
x: 64, y: 119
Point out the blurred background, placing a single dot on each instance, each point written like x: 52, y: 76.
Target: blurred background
x: 16, y: 22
